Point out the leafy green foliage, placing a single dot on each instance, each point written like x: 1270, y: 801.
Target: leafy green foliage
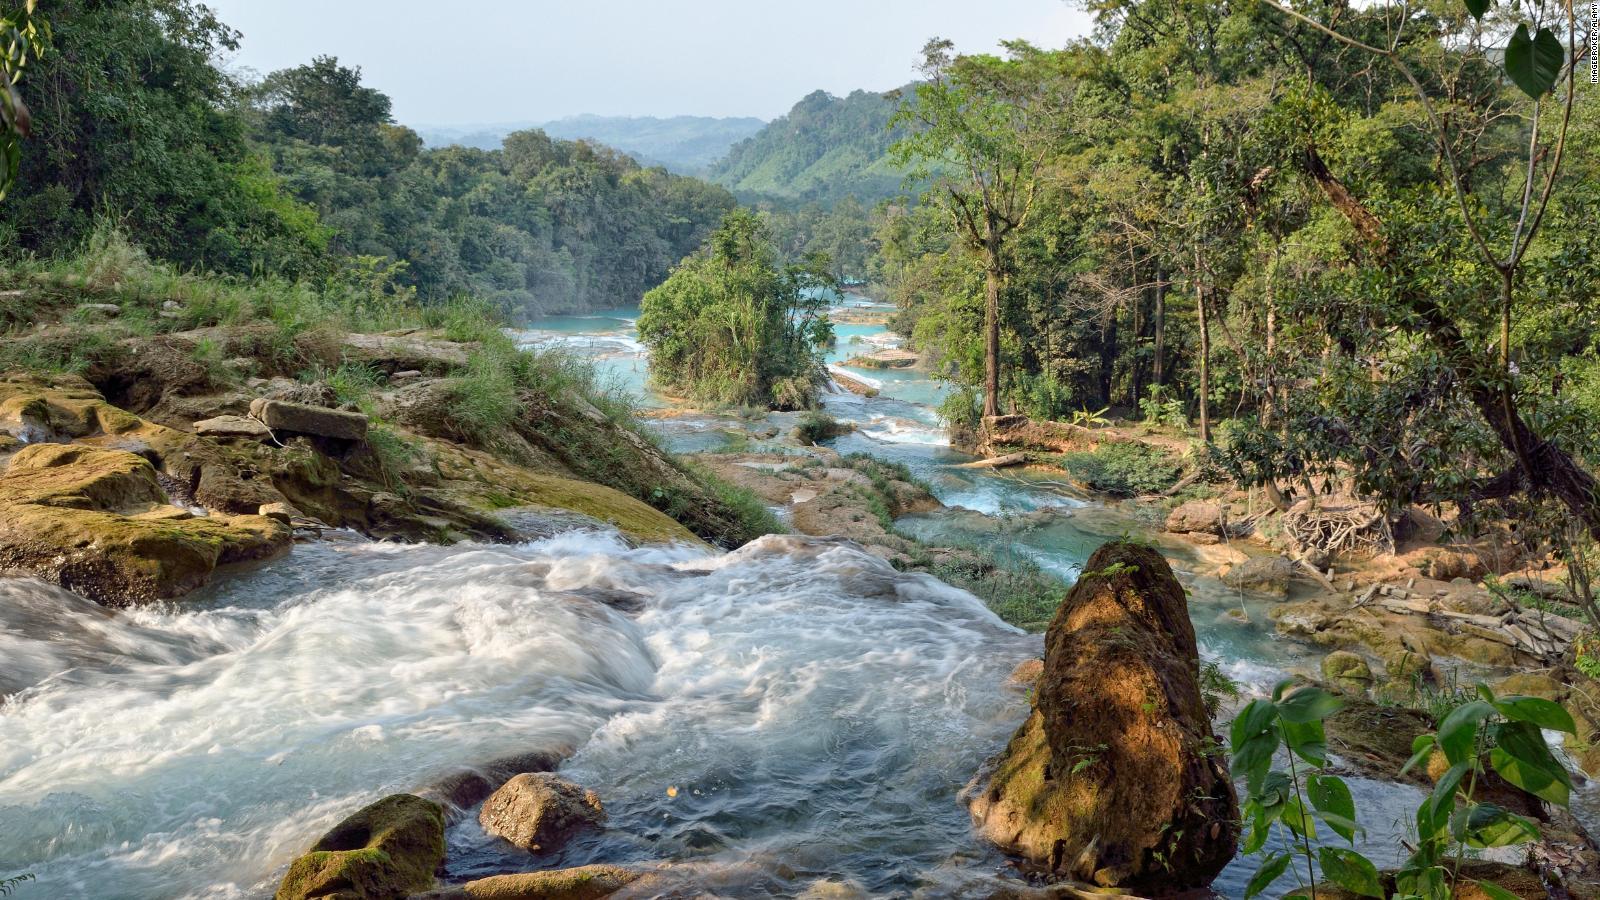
x: 734, y: 328
x: 1450, y: 821
x: 20, y: 35
x: 1123, y: 469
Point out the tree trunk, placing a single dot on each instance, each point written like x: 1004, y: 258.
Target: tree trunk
x: 991, y: 322
x: 1205, y: 352
x: 1159, y: 372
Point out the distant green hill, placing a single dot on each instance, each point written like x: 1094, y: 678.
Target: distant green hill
x: 683, y: 144
x: 825, y: 149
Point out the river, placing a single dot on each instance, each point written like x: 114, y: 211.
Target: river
x: 792, y: 714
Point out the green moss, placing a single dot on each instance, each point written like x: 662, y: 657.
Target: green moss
x: 387, y: 850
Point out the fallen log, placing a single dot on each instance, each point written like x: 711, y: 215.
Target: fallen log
x: 998, y: 462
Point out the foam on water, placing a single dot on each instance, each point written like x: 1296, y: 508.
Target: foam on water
x: 816, y: 700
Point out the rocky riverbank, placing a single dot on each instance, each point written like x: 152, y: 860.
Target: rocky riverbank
x: 140, y: 477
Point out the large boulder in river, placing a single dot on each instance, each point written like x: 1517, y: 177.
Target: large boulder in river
x: 98, y: 522
x: 1116, y: 777
x: 538, y: 811
x: 385, y: 851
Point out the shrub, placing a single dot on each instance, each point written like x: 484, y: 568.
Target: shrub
x: 815, y: 427
x: 1124, y: 469
x: 732, y: 327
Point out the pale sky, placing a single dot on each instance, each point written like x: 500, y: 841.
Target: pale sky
x: 486, y: 61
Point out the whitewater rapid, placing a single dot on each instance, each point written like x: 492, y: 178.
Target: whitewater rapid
x: 803, y: 701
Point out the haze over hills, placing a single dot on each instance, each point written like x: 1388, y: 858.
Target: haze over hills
x: 825, y: 149
x: 683, y: 144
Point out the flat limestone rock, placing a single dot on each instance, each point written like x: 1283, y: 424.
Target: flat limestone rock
x: 98, y: 522
x: 232, y: 426
x: 299, y: 418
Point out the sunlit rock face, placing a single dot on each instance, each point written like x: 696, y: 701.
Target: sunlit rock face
x: 1116, y: 777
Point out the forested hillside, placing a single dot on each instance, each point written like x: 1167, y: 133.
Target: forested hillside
x: 306, y: 175
x: 684, y: 144
x: 825, y: 149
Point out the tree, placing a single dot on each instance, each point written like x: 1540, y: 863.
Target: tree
x: 731, y: 326
x: 1536, y: 64
x: 988, y: 124
x: 20, y: 37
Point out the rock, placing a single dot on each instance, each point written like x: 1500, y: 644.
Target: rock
x: 1116, y: 777
x: 538, y: 811
x: 1262, y: 575
x: 282, y: 512
x: 1375, y: 740
x: 232, y: 426
x: 1026, y: 675
x: 1347, y: 669
x: 99, y: 523
x: 471, y: 785
x: 387, y: 850
x: 299, y: 418
x: 1198, y: 517
x: 104, y: 309
x: 1420, y: 525
x: 171, y: 304
x: 407, y: 352
x: 581, y: 883
x: 406, y: 375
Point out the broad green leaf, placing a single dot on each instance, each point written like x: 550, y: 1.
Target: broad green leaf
x: 1307, y: 740
x: 1458, y: 733
x: 1421, y: 748
x: 1298, y: 819
x: 1261, y: 819
x: 1534, y: 63
x: 1254, y: 759
x: 1256, y: 717
x: 1488, y: 825
x: 1308, y: 704
x: 1537, y: 710
x: 1433, y: 816
x: 1272, y: 868
x: 1351, y: 871
x: 1330, y: 796
x: 1477, y: 7
x: 1432, y: 883
x: 1522, y: 757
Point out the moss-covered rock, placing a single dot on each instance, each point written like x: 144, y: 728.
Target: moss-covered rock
x: 1116, y: 777
x: 386, y: 851
x: 1347, y: 670
x: 581, y: 883
x: 98, y: 522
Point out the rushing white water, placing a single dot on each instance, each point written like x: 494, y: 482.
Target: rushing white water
x: 807, y: 702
